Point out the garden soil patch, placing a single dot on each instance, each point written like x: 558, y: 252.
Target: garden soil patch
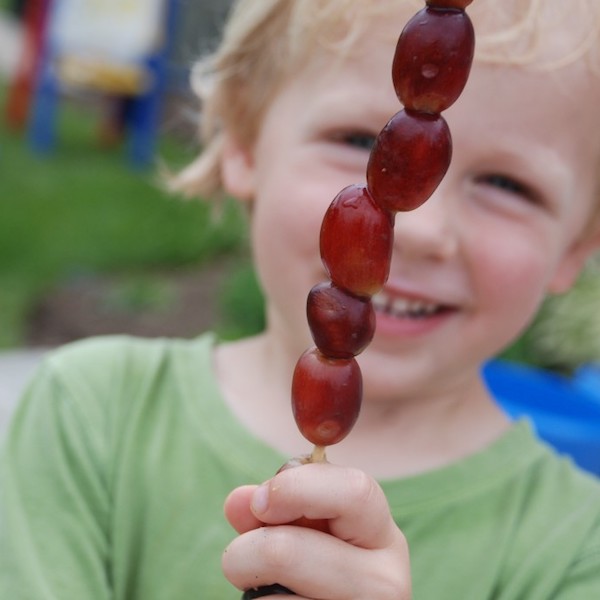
x: 162, y: 304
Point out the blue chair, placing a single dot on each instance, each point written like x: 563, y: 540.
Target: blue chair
x: 565, y: 411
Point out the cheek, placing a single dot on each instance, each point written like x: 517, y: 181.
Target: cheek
x: 289, y: 211
x: 285, y: 239
x: 511, y: 279
x: 287, y: 225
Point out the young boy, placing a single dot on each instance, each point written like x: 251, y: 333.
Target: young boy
x: 123, y: 451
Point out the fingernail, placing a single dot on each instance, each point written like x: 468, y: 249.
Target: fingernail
x: 260, y: 499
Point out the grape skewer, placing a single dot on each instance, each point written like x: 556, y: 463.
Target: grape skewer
x: 410, y: 157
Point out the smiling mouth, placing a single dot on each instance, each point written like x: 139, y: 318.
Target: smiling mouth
x: 406, y: 308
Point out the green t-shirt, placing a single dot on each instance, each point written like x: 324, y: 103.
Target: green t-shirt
x: 120, y: 455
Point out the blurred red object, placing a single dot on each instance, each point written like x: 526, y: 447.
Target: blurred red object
x: 21, y: 87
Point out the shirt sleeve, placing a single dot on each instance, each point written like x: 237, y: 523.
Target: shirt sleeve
x: 54, y: 497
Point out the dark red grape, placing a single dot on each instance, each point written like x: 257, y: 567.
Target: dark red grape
x: 409, y: 159
x: 326, y: 397
x: 433, y: 59
x: 356, y: 242
x: 342, y: 325
x: 458, y: 4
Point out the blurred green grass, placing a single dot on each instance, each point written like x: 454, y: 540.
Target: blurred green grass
x: 83, y: 209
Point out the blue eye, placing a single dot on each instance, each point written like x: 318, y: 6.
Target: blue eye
x: 506, y: 184
x: 361, y: 141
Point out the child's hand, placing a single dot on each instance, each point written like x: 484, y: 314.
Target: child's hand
x: 364, y: 556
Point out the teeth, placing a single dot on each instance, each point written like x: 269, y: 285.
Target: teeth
x: 379, y: 302
x: 425, y: 308
x: 403, y: 307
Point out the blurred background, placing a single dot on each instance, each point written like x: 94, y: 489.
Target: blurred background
x: 90, y: 243
x: 94, y: 103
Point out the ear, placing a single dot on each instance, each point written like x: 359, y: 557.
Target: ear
x: 573, y: 262
x: 237, y: 169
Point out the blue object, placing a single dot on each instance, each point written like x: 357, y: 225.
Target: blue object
x: 143, y: 111
x: 565, y: 411
x: 144, y: 114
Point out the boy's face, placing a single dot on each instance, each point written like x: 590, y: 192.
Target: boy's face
x: 471, y: 266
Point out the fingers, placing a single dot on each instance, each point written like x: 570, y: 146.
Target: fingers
x: 316, y: 565
x: 237, y: 509
x: 353, y: 503
x: 365, y: 555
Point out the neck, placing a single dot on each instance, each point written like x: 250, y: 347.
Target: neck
x: 421, y: 434
x: 390, y: 439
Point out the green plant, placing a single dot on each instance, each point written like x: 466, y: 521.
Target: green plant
x: 83, y: 209
x: 242, y: 304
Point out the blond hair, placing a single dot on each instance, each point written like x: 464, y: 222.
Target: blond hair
x: 266, y: 41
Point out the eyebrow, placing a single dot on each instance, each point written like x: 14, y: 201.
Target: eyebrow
x: 341, y: 106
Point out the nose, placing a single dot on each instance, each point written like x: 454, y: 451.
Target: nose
x: 427, y: 232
